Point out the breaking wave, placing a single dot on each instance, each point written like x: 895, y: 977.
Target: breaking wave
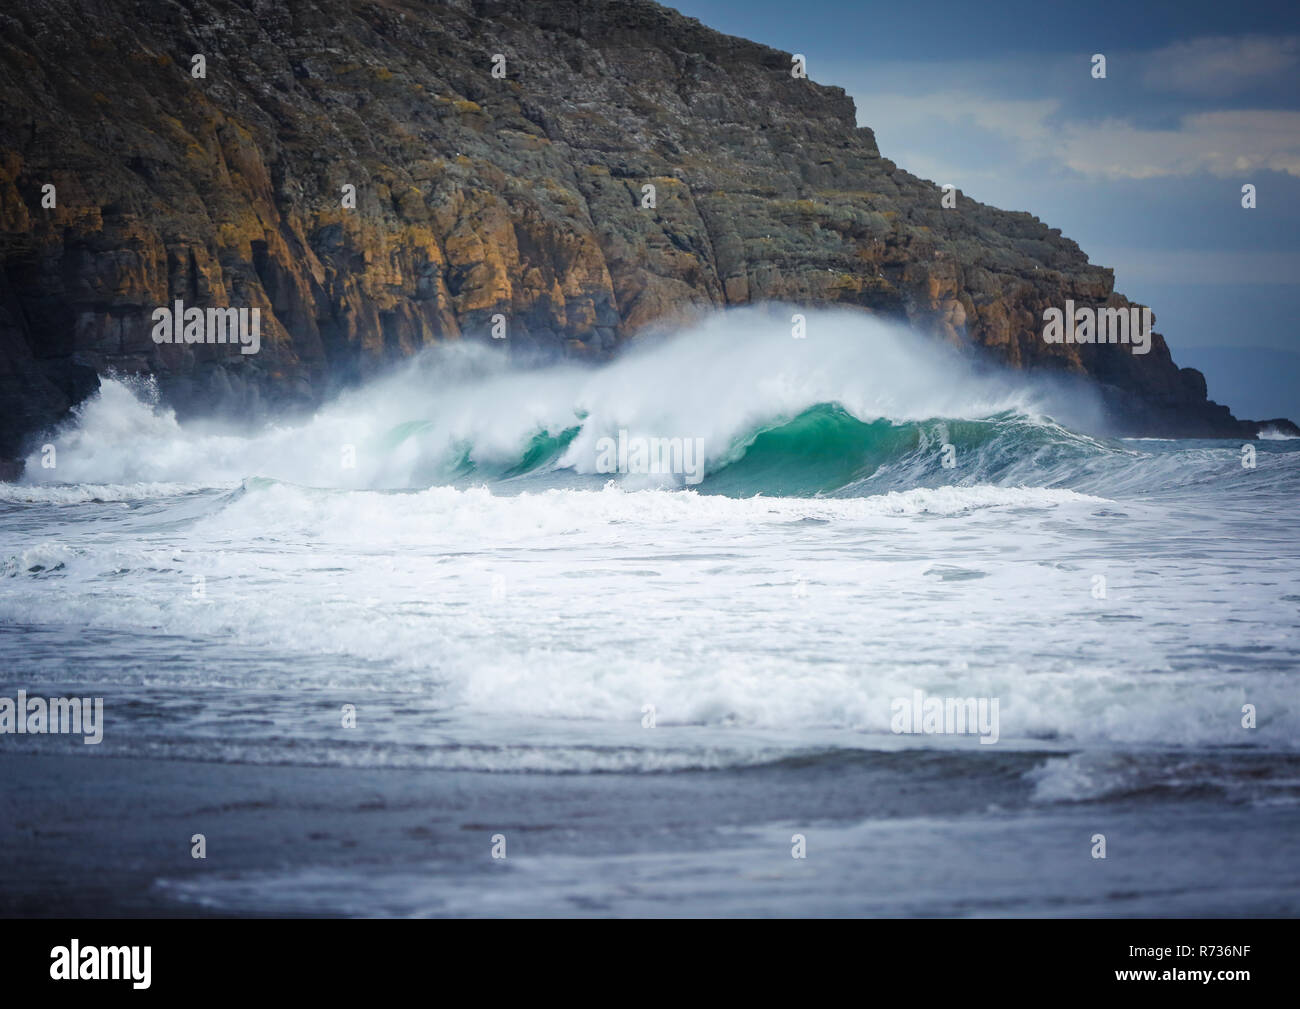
x: 859, y: 406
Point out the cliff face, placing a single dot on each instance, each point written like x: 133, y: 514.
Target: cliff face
x: 474, y: 196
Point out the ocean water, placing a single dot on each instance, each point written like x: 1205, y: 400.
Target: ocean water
x: 712, y: 667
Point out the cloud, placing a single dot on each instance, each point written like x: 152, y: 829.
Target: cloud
x: 1220, y: 66
x: 1223, y: 143
x: 1022, y: 120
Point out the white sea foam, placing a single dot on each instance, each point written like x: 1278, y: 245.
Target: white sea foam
x: 790, y: 615
x: 580, y: 602
x: 720, y: 382
x: 84, y: 493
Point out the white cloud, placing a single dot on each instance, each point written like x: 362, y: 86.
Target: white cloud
x: 1220, y: 66
x: 1223, y: 143
x: 1018, y: 119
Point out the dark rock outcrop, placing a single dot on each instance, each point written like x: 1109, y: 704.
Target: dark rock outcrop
x: 475, y: 196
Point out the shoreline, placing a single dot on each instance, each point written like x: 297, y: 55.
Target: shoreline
x: 93, y: 837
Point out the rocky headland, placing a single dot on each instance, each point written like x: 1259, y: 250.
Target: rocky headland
x: 483, y: 187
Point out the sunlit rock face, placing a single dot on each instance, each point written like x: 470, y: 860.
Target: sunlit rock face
x: 377, y: 177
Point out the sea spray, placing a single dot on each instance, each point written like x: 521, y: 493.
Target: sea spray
x: 464, y: 412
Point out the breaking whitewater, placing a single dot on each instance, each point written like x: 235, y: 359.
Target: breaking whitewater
x: 731, y: 560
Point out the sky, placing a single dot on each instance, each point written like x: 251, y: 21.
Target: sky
x: 1144, y: 168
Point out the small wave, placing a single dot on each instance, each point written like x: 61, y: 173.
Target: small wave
x: 1256, y: 778
x: 74, y: 494
x: 450, y: 515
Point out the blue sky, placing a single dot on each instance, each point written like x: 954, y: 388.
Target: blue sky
x: 1143, y: 169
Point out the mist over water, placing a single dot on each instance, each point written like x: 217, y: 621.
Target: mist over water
x: 464, y: 411
x: 492, y: 603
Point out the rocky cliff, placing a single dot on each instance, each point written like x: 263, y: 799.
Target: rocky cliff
x: 517, y: 192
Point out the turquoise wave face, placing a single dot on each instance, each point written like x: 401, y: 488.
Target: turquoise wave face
x: 827, y: 451
x: 463, y: 464
x: 824, y: 450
